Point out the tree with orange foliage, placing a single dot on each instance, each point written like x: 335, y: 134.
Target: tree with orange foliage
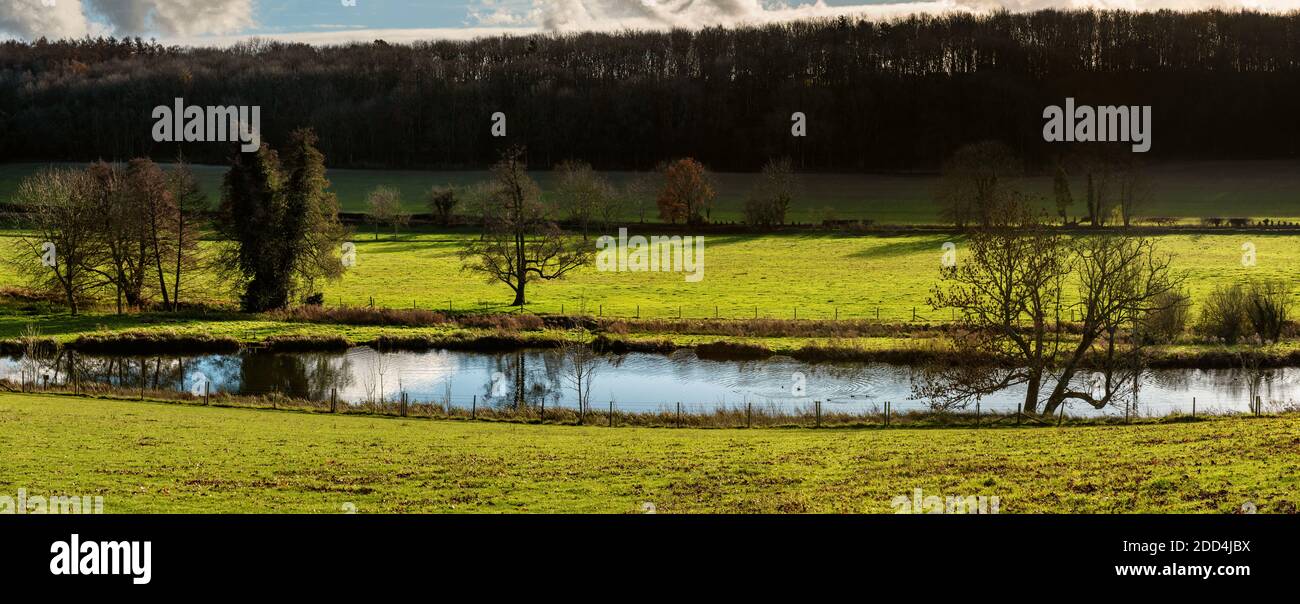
x: 687, y: 194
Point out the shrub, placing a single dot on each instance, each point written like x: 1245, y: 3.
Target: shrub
x: 1167, y: 320
x: 1224, y: 315
x: 442, y: 204
x: 1268, y: 306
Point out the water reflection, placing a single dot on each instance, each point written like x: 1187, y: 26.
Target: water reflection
x: 636, y: 381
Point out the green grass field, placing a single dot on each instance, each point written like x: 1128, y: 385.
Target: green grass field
x: 154, y: 457
x: 775, y: 275
x: 1190, y: 190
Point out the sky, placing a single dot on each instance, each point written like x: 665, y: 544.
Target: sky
x: 220, y: 22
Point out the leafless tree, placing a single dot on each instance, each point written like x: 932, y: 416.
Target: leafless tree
x: 975, y: 181
x: 639, y: 192
x: 385, y: 205
x: 581, y: 362
x: 1009, y: 293
x: 522, y: 243
x: 190, y: 205
x: 1132, y: 189
x: 62, y: 249
x: 582, y: 194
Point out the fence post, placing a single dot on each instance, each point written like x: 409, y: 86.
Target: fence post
x: 1193, y: 407
x: 334, y: 400
x: 403, y: 400
x: 679, y: 414
x: 1127, y: 406
x: 886, y: 414
x: 1259, y: 404
x: 819, y: 413
x: 611, y: 413
x: 1019, y: 409
x: 473, y: 408
x: 749, y: 413
x: 206, y: 392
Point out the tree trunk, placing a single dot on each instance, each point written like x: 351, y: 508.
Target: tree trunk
x: 1032, y: 388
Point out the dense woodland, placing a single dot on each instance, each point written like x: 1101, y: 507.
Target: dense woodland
x: 880, y: 96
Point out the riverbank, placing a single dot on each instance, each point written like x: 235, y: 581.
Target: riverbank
x: 152, y: 458
x: 217, y: 331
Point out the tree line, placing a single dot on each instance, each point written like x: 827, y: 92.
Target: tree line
x: 879, y: 95
x: 133, y: 229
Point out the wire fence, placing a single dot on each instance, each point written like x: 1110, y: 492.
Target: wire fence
x: 884, y: 312
x: 657, y: 310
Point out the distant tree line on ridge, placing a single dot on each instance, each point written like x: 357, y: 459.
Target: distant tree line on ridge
x: 879, y: 96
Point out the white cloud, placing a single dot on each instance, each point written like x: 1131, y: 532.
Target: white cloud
x: 605, y: 15
x: 326, y: 38
x: 176, y: 17
x: 30, y: 19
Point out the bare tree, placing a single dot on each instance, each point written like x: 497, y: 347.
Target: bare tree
x: 522, y: 243
x: 582, y: 194
x: 62, y: 249
x: 975, y: 180
x: 581, y: 362
x: 385, y: 205
x: 1007, y: 290
x: 1132, y: 189
x: 1009, y: 293
x: 771, y: 197
x: 190, y: 205
x: 640, y: 192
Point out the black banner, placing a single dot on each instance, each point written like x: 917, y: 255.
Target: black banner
x: 1095, y: 553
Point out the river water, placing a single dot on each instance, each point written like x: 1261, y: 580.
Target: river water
x: 635, y: 381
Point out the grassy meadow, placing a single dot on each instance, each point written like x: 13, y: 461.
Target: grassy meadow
x: 773, y: 276
x: 145, y: 457
x: 1187, y: 190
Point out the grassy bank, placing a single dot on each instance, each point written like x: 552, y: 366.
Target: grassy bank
x: 144, y: 457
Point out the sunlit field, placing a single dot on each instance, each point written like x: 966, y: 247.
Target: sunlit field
x: 805, y: 276
x: 150, y: 457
